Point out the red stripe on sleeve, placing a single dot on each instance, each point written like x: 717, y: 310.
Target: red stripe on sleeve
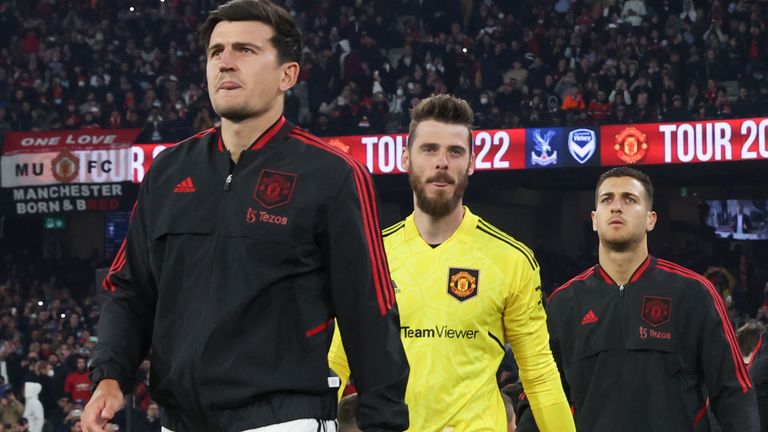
x: 117, y: 265
x: 741, y: 370
x: 119, y: 262
x: 700, y: 414
x: 318, y: 329
x: 364, y: 186
x: 584, y: 275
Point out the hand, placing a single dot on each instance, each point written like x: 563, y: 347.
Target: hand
x: 106, y: 401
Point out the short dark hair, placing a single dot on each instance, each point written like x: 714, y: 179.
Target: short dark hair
x: 287, y: 39
x: 748, y: 335
x: 628, y: 172
x: 443, y: 108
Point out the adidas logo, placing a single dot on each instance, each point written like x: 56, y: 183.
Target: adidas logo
x: 185, y: 186
x: 589, y: 318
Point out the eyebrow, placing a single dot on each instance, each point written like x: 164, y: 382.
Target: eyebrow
x: 450, y: 146
x: 624, y: 194
x: 236, y: 45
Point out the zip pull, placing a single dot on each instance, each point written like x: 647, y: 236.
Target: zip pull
x: 621, y: 290
x: 227, y: 182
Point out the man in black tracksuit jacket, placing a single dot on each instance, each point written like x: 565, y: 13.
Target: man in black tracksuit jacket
x: 644, y: 344
x: 238, y: 259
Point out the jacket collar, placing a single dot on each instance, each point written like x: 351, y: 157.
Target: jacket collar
x: 642, y: 269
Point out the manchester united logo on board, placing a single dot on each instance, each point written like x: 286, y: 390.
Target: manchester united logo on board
x: 274, y: 188
x: 463, y: 283
x: 631, y: 145
x: 65, y: 167
x: 656, y: 310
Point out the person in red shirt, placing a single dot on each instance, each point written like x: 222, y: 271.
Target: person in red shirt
x: 600, y: 108
x: 78, y: 384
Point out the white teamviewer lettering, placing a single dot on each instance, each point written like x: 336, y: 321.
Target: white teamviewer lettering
x: 700, y: 141
x: 388, y: 151
x: 444, y: 331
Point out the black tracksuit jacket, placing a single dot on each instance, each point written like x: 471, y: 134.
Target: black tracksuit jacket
x: 233, y: 273
x: 655, y: 355
x: 758, y: 371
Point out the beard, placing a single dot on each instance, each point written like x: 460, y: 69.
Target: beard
x: 236, y: 114
x: 442, y: 203
x: 622, y: 243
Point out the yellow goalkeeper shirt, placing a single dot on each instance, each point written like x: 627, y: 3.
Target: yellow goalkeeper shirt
x: 458, y: 302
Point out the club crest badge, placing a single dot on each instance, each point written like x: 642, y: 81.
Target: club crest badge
x: 543, y: 154
x: 463, y: 283
x: 656, y: 310
x: 631, y: 145
x: 274, y: 188
x: 582, y: 144
x: 65, y: 167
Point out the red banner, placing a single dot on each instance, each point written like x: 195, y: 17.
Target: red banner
x: 684, y: 143
x: 495, y: 149
x: 57, y: 141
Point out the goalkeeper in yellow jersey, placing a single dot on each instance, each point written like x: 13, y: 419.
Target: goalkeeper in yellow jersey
x: 463, y: 288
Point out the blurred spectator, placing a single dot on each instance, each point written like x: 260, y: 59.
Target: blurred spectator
x: 11, y: 409
x: 64, y: 407
x: 130, y: 68
x: 599, y: 109
x: 78, y: 383
x: 754, y: 349
x: 33, y: 408
x: 677, y: 111
x: 634, y: 12
x: 149, y: 421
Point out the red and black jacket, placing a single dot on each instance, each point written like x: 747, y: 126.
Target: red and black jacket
x: 758, y: 371
x: 232, y: 273
x: 656, y: 354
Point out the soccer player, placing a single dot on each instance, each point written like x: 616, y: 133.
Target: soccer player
x: 645, y: 344
x: 463, y: 288
x: 238, y: 258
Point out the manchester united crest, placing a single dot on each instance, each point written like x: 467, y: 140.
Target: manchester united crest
x: 631, y: 145
x: 65, y: 167
x: 656, y: 310
x: 274, y: 188
x: 463, y: 283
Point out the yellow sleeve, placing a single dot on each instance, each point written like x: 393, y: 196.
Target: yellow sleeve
x: 337, y: 360
x: 525, y: 327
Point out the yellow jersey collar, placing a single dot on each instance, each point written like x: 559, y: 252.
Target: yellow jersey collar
x: 466, y: 228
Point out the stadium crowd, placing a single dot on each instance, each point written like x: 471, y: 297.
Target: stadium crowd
x: 48, y: 311
x: 97, y: 64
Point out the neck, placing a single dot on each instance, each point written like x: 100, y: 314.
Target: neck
x: 437, y: 230
x: 621, y: 264
x: 239, y: 135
